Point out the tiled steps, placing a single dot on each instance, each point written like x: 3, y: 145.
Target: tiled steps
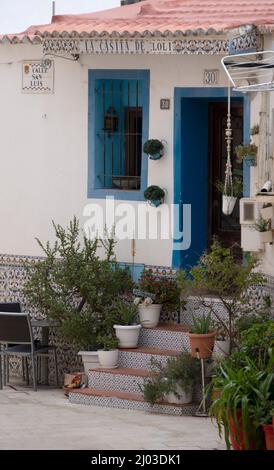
x: 126, y: 400
x: 120, y: 379
x: 140, y: 358
x: 172, y: 337
x: 122, y: 387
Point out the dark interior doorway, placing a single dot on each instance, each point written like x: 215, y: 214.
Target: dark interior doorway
x: 225, y: 228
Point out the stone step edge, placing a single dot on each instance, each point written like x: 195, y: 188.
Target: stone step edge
x: 152, y: 351
x: 130, y: 396
x: 125, y: 371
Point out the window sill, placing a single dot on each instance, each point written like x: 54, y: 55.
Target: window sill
x: 119, y: 194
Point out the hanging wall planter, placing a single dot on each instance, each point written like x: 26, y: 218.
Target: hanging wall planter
x: 263, y: 226
x: 228, y: 204
x: 247, y: 153
x: 153, y: 148
x: 154, y: 195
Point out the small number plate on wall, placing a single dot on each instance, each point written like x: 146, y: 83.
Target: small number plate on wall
x: 165, y: 103
x: 211, y: 77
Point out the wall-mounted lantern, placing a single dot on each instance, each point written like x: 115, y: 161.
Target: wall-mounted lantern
x: 111, y: 120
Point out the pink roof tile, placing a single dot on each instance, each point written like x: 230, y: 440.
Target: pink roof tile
x: 162, y: 16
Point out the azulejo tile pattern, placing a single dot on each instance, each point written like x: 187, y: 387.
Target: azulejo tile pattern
x: 113, y: 402
x: 165, y: 339
x: 123, y: 383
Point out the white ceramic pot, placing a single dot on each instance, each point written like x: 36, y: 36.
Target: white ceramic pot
x: 128, y: 336
x: 228, y: 204
x: 184, y: 397
x: 267, y: 212
x: 90, y: 360
x: 149, y: 315
x: 266, y: 237
x: 108, y: 359
x: 221, y: 348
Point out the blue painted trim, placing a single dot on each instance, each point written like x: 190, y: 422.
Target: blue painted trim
x: 96, y: 74
x: 211, y: 93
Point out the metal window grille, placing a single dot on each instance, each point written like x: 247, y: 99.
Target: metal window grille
x: 118, y: 133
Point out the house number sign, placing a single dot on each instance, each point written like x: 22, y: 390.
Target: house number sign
x: 211, y: 77
x: 38, y: 77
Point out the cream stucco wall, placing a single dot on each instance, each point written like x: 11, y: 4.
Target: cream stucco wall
x: 43, y: 144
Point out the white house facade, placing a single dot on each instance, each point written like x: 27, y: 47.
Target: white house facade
x: 80, y: 97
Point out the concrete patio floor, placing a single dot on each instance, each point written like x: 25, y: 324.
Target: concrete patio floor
x: 46, y: 420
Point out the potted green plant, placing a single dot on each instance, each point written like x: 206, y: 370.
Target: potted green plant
x: 247, y: 153
x: 263, y: 226
x: 267, y: 211
x: 230, y: 194
x: 246, y: 391
x: 155, y: 195
x: 154, y: 149
x: 254, y: 134
x: 127, y: 326
x: 108, y: 355
x: 173, y: 382
x: 222, y: 340
x: 201, y: 337
x: 159, y: 292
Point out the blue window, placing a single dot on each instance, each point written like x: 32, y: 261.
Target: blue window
x: 118, y: 127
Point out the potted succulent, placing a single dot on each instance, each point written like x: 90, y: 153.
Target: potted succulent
x: 154, y: 149
x: 263, y: 226
x: 201, y: 337
x: 155, y: 195
x: 108, y: 355
x: 254, y: 134
x: 127, y: 326
x: 267, y: 211
x: 247, y: 153
x: 230, y: 194
x: 149, y: 313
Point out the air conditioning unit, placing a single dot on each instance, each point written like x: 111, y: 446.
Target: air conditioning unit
x: 249, y: 213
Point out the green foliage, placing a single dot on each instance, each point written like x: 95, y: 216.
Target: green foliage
x: 244, y: 387
x: 244, y: 151
x: 236, y: 189
x: 108, y: 342
x: 74, y: 285
x: 201, y: 325
x: 124, y: 314
x: 182, y: 371
x: 257, y: 340
x: 166, y: 290
x: 153, y: 193
x: 153, y: 146
x: 255, y: 130
x: 219, y: 275
x: 262, y: 225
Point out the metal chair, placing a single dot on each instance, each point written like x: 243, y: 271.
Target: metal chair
x: 16, y: 332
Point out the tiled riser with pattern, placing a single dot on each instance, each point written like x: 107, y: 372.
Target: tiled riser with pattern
x: 112, y: 402
x: 135, y: 360
x: 164, y: 339
x: 123, y: 383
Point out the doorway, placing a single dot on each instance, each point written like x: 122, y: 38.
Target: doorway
x: 226, y: 228
x: 199, y: 160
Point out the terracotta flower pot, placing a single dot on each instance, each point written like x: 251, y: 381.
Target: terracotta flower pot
x: 236, y: 435
x: 269, y: 436
x: 201, y: 345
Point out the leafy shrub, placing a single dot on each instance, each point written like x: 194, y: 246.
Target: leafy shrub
x: 75, y: 286
x: 166, y: 290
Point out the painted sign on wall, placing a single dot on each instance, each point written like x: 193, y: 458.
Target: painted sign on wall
x: 38, y: 77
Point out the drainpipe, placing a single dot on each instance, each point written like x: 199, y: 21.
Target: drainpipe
x: 53, y: 8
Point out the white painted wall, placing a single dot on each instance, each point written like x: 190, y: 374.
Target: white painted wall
x: 43, y: 160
